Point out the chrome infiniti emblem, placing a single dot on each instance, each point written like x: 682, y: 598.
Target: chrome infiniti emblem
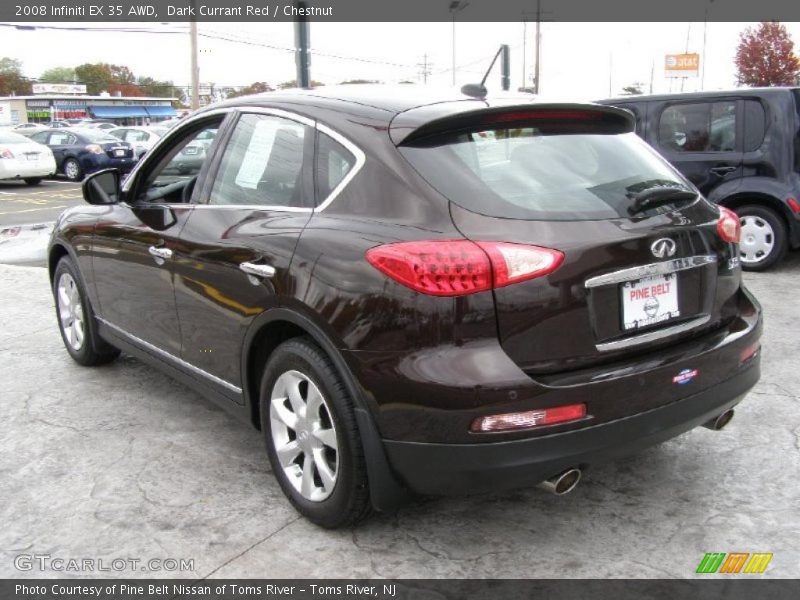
x: 664, y: 248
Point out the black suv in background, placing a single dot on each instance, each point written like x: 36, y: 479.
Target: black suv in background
x: 741, y: 149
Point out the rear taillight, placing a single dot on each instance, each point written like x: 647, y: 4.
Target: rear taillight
x: 793, y: 204
x: 6, y: 153
x: 530, y: 418
x: 749, y: 353
x: 728, y: 226
x: 94, y: 149
x: 459, y: 267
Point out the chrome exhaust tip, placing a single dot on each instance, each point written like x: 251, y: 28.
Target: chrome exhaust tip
x: 719, y: 421
x: 561, y: 484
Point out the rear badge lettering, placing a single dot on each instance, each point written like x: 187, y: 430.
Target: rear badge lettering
x: 685, y: 376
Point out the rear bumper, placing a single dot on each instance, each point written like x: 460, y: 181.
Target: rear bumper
x: 19, y: 169
x: 441, y: 469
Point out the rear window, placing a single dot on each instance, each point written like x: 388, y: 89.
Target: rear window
x: 97, y: 135
x: 523, y: 173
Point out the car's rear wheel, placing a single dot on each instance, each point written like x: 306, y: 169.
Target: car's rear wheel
x: 312, y: 437
x: 33, y: 180
x: 764, y: 238
x: 76, y: 320
x: 72, y: 170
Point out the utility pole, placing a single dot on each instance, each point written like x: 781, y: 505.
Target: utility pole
x: 505, y: 67
x: 524, y: 51
x: 424, y: 68
x: 195, y: 67
x: 301, y: 43
x: 536, y: 67
x: 454, y: 7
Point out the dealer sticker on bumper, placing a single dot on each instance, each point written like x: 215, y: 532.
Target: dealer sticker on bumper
x: 649, y: 301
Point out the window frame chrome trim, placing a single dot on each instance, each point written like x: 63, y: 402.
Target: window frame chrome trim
x: 674, y: 265
x: 179, y: 362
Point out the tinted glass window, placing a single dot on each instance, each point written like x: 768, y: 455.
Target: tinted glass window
x: 263, y: 163
x: 40, y: 137
x: 698, y: 127
x: 133, y: 135
x: 521, y: 173
x: 754, y: 125
x: 334, y: 162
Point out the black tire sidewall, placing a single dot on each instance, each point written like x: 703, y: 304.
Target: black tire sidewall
x: 779, y: 232
x: 94, y: 350
x: 307, y: 358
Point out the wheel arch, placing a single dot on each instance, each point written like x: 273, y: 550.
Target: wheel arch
x: 767, y: 200
x: 265, y: 334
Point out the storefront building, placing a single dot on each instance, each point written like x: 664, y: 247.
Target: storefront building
x: 117, y: 109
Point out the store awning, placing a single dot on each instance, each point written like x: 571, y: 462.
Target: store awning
x: 118, y: 112
x: 161, y: 111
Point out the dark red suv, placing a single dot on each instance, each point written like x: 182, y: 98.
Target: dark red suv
x: 410, y: 294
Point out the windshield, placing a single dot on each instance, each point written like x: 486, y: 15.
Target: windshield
x: 522, y: 173
x: 8, y: 137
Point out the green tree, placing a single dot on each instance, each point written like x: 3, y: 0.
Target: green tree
x: 58, y: 75
x: 97, y: 77
x: 258, y: 87
x: 154, y: 87
x: 293, y: 84
x: 12, y: 81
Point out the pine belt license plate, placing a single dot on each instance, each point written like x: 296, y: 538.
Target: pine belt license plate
x: 649, y: 301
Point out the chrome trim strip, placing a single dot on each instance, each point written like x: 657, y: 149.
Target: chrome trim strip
x: 180, y: 362
x: 653, y: 335
x: 659, y: 268
x: 264, y: 110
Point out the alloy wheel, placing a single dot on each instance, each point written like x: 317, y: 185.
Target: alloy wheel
x: 70, y: 311
x: 304, y: 436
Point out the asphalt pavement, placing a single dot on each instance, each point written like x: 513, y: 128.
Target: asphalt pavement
x: 121, y: 461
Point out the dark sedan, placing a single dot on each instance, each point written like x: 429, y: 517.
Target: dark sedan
x: 79, y: 152
x: 411, y: 293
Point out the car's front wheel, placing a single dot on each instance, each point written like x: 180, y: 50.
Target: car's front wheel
x: 72, y: 170
x: 76, y: 319
x: 764, y: 237
x: 311, y: 434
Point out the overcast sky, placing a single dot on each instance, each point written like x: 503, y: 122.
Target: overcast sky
x: 580, y: 60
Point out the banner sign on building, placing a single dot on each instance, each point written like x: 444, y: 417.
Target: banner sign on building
x: 59, y: 88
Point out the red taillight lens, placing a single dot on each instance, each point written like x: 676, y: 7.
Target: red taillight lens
x: 728, y: 226
x: 94, y: 149
x: 749, y: 353
x: 6, y: 153
x: 793, y: 204
x: 459, y: 267
x: 528, y: 419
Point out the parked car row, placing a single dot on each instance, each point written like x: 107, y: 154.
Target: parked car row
x: 21, y: 158
x: 741, y: 149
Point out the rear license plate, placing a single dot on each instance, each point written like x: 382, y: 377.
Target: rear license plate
x: 119, y: 152
x: 649, y: 301
x: 33, y: 156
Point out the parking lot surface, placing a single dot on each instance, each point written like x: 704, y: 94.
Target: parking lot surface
x: 122, y: 462
x: 22, y: 204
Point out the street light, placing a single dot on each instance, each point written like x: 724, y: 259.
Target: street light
x: 454, y: 7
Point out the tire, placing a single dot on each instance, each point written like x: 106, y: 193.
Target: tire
x: 75, y: 318
x: 764, y: 237
x: 33, y: 180
x: 72, y: 169
x: 342, y: 500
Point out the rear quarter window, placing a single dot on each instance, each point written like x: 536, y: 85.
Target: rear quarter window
x: 754, y: 125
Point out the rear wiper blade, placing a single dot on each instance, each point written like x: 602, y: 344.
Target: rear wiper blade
x: 659, y: 196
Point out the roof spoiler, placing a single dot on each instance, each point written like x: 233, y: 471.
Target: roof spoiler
x: 550, y: 118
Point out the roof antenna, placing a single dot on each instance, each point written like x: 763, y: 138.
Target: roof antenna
x: 478, y: 90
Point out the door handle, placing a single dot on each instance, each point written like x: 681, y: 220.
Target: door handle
x: 160, y: 254
x: 722, y: 170
x: 255, y: 270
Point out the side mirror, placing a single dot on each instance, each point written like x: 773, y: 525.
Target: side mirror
x: 102, y: 187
